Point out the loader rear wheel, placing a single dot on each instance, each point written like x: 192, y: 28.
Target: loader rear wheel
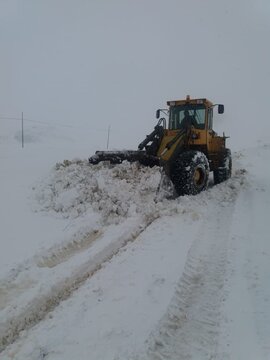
x: 190, y: 173
x: 224, y: 171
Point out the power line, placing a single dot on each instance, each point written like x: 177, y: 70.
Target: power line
x: 46, y: 123
x: 35, y: 121
x: 23, y: 119
x: 9, y: 118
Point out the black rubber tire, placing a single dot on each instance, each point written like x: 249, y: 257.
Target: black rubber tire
x: 190, y: 173
x: 224, y: 171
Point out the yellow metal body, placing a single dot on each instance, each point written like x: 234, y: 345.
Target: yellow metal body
x: 169, y: 135
x: 205, y: 139
x: 203, y: 101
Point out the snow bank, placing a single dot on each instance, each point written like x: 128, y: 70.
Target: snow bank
x: 115, y: 192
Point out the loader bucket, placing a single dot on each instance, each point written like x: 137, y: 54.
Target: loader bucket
x: 117, y: 157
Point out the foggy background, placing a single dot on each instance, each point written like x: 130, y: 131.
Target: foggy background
x: 87, y: 65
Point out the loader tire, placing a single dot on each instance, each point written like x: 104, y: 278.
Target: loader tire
x: 224, y: 171
x: 190, y: 173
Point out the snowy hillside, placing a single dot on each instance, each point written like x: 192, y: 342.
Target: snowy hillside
x: 95, y: 266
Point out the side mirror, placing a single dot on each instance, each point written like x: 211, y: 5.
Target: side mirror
x: 158, y: 114
x: 220, y: 109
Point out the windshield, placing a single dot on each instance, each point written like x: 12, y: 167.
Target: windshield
x: 182, y: 116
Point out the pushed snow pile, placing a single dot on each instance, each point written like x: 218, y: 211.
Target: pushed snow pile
x: 76, y: 187
x: 115, y: 192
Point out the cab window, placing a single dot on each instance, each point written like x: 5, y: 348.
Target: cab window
x: 178, y: 116
x: 210, y: 119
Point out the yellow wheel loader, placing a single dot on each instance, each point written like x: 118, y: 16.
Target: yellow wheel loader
x: 187, y: 149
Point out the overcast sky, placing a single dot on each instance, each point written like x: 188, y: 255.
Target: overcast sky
x: 94, y: 63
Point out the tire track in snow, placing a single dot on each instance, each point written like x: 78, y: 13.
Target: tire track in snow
x: 190, y: 328
x: 40, y: 306
x: 74, y: 188
x: 65, y: 252
x: 10, y: 290
x: 12, y: 287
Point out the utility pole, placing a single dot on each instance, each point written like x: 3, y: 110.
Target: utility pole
x: 108, y: 139
x: 22, y: 132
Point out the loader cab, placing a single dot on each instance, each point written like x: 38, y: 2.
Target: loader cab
x: 180, y: 116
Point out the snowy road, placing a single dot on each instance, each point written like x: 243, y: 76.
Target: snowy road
x: 184, y: 279
x: 221, y: 309
x: 246, y: 326
x: 192, y: 323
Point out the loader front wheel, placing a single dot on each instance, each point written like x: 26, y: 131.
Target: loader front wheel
x: 224, y: 171
x: 190, y: 173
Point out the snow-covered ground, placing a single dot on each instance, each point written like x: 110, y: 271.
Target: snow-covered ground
x: 95, y: 266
